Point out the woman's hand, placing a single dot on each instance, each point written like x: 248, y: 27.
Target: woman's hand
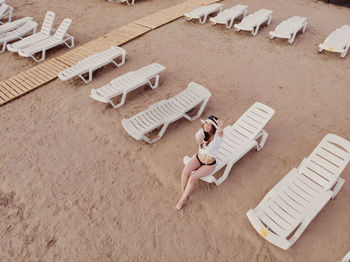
x: 200, y: 139
x: 220, y: 127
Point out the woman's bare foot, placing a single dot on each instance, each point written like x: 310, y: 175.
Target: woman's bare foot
x: 180, y: 204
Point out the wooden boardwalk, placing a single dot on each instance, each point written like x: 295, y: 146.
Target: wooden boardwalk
x: 46, y: 71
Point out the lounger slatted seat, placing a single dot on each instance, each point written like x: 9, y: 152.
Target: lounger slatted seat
x: 338, y: 41
x: 60, y: 37
x: 129, y: 2
x: 239, y: 139
x: 4, y: 11
x: 17, y: 33
x: 43, y: 34
x: 93, y: 62
x: 126, y: 83
x: 228, y: 16
x: 253, y: 21
x: 167, y: 111
x: 13, y: 25
x: 291, y: 205
x: 346, y: 258
x: 289, y: 28
x: 203, y: 12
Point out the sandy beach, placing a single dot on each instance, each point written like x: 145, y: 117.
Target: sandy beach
x: 76, y: 187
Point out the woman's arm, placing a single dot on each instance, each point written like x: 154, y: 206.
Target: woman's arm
x: 220, y: 128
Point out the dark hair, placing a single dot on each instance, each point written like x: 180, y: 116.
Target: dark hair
x: 207, y: 135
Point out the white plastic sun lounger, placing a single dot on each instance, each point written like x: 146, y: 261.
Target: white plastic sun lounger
x: 165, y: 112
x: 346, y: 258
x: 239, y: 139
x: 43, y: 34
x: 289, y: 28
x: 291, y: 205
x: 129, y: 2
x: 203, y: 12
x: 17, y: 33
x: 338, y: 41
x: 124, y: 84
x: 93, y: 62
x: 4, y: 11
x: 60, y: 37
x: 253, y: 21
x: 228, y: 16
x: 13, y: 25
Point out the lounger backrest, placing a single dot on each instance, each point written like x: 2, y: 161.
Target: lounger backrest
x: 48, y: 22
x: 263, y: 12
x: 251, y: 123
x: 150, y: 70
x: 62, y: 29
x: 327, y: 161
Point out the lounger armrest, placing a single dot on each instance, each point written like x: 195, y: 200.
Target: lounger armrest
x: 265, y: 233
x: 310, y: 213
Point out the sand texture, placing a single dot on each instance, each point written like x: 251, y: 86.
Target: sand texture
x: 76, y: 187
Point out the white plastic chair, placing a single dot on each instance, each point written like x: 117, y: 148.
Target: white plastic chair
x: 17, y: 33
x: 291, y: 205
x: 129, y: 2
x: 93, y: 62
x: 253, y: 21
x: 228, y: 16
x: 14, y: 25
x: 203, y: 12
x: 45, y: 32
x: 4, y: 11
x: 124, y: 84
x: 289, y: 28
x: 338, y: 41
x: 346, y: 258
x: 60, y: 37
x: 165, y: 112
x: 239, y: 139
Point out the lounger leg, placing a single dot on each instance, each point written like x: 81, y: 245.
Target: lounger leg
x: 304, y: 28
x: 225, y: 174
x: 263, y: 136
x: 10, y: 14
x: 200, y: 111
x: 343, y: 54
x: 269, y: 20
x: 244, y: 13
x: 71, y: 42
x: 202, y: 21
x: 122, y: 102
x: 3, y: 47
x: 43, y: 56
x: 161, y: 133
x: 340, y: 182
x: 254, y: 32
x: 229, y: 24
x: 121, y: 63
x: 291, y: 39
x: 86, y: 80
x: 156, y: 82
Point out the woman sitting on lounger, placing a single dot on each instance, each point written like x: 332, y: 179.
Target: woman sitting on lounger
x: 209, y: 138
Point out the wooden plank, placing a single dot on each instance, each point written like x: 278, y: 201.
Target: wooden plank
x: 54, y: 68
x: 48, y: 68
x: 31, y: 78
x: 3, y: 93
x: 7, y: 90
x: 34, y: 73
x: 30, y: 83
x: 19, y: 83
x: 2, y: 101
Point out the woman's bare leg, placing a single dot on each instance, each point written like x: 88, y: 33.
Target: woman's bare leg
x: 192, y: 165
x: 201, y: 172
